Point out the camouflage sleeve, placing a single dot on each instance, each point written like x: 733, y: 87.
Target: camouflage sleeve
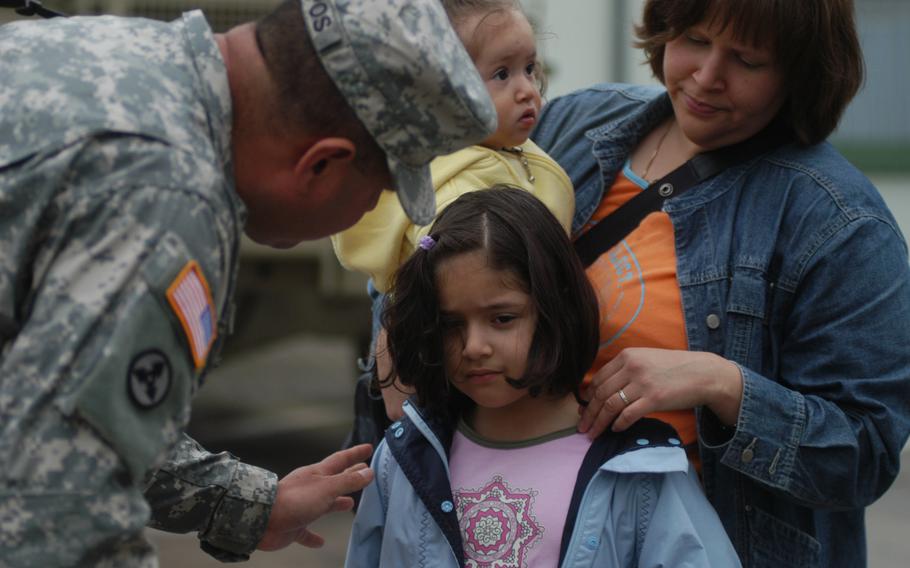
x: 98, y: 377
x: 225, y: 501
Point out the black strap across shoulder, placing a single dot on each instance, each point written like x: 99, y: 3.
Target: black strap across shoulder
x: 614, y: 227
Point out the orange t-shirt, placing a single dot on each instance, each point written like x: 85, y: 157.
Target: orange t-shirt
x: 636, y: 285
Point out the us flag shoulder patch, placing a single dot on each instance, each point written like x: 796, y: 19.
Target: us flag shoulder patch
x: 191, y: 300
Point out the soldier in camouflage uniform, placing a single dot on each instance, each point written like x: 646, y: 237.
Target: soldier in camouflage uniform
x: 132, y: 155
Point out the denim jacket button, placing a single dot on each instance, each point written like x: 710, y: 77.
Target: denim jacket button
x: 592, y: 542
x: 399, y: 432
x: 712, y: 321
x: 447, y: 506
x: 747, y: 455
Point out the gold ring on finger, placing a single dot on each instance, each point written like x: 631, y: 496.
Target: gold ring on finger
x: 624, y: 398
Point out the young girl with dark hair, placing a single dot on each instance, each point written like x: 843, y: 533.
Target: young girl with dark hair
x: 492, y: 322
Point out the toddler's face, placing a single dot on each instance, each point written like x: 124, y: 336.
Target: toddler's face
x: 505, y: 53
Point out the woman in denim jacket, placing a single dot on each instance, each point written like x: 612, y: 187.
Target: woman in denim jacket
x: 773, y: 298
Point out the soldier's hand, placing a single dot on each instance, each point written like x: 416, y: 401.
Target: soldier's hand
x: 311, y: 491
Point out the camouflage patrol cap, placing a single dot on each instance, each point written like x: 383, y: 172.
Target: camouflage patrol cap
x: 403, y: 70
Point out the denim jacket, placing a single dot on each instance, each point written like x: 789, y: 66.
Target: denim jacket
x: 791, y: 266
x: 636, y: 503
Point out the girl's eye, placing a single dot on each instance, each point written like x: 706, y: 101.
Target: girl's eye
x: 504, y: 319
x: 531, y: 69
x: 501, y: 74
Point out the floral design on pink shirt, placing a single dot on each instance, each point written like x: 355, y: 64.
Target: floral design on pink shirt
x: 497, y: 525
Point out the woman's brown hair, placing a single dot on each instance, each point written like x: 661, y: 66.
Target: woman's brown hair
x: 814, y: 41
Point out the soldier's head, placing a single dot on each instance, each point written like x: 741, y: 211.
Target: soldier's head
x: 363, y: 94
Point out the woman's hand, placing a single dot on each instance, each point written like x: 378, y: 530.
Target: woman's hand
x: 655, y: 380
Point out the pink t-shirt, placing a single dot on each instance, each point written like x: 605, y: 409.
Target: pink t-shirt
x: 512, y: 498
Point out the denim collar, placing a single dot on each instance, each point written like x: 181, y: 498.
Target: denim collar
x: 614, y: 141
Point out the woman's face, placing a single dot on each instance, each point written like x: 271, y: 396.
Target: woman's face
x: 723, y: 89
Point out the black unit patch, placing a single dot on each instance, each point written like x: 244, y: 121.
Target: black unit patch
x: 149, y: 378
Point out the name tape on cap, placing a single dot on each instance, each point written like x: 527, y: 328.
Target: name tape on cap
x: 322, y: 21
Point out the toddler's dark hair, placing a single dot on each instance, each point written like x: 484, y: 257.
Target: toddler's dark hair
x: 520, y: 235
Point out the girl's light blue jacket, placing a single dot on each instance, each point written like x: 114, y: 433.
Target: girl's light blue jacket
x: 637, y: 503
x: 790, y: 265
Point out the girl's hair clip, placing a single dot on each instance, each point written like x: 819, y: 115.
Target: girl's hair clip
x: 426, y: 242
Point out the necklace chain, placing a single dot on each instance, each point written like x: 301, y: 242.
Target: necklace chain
x: 660, y: 143
x: 520, y: 153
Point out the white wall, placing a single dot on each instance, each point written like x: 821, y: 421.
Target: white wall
x: 588, y: 41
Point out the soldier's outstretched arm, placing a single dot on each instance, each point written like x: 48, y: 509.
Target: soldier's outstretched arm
x: 236, y: 507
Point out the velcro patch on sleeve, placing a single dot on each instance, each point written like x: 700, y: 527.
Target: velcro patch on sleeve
x: 191, y: 300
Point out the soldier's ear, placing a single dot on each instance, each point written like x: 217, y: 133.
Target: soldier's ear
x: 324, y: 161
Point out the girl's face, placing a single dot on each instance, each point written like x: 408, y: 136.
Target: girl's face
x: 488, y: 323
x: 504, y: 50
x: 723, y: 90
